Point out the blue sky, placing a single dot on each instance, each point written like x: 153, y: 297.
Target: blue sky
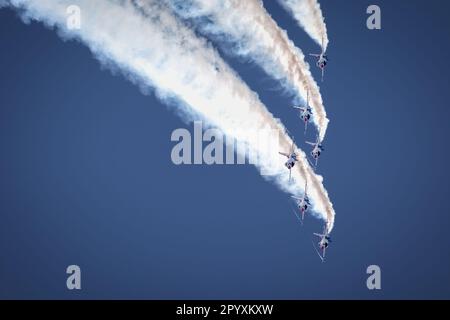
x: 86, y: 175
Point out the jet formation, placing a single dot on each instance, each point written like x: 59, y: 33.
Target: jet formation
x: 302, y: 201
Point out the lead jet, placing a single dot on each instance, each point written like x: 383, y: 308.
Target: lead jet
x: 324, y: 242
x: 322, y: 60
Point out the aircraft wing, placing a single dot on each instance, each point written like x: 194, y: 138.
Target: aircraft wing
x: 284, y: 154
x: 317, y: 234
x: 314, y: 55
x: 296, y: 198
x: 310, y: 143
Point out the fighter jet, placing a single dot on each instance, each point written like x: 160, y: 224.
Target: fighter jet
x: 303, y: 202
x: 317, y: 149
x: 305, y: 112
x: 292, y: 159
x: 322, y: 60
x: 325, y: 240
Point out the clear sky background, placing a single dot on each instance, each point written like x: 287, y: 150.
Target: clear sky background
x: 86, y: 176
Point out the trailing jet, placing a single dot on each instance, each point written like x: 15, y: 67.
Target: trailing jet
x: 317, y: 149
x: 292, y: 159
x: 303, y: 202
x: 305, y: 112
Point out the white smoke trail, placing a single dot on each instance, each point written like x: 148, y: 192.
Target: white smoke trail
x: 309, y: 16
x: 257, y: 36
x: 157, y: 51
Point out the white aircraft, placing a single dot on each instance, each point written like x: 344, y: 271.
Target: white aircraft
x: 292, y: 159
x: 303, y: 202
x: 317, y: 150
x: 305, y: 112
x: 325, y: 240
x: 322, y: 60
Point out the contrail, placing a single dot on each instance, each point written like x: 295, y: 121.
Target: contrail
x: 155, y: 50
x: 256, y: 36
x: 309, y: 17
